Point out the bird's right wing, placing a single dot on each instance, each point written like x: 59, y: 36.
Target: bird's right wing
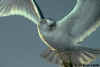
x: 83, y: 20
x: 26, y: 8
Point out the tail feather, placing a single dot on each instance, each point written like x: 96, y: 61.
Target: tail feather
x: 83, y: 56
x: 87, y: 55
x: 51, y: 56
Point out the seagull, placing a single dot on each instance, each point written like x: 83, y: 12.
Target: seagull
x: 65, y: 36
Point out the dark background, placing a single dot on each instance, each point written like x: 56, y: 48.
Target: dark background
x: 20, y: 45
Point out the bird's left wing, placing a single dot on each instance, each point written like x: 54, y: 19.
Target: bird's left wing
x: 83, y: 19
x: 26, y: 8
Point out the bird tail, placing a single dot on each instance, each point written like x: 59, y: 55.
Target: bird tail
x: 71, y: 58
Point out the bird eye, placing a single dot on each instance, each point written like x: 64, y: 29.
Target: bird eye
x: 52, y: 24
x: 43, y: 21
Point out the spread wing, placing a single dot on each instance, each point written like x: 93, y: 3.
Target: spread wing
x: 26, y: 8
x: 82, y: 20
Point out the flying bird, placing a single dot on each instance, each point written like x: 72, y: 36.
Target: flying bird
x: 65, y: 36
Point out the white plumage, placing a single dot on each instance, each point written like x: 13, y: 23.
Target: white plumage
x: 62, y: 37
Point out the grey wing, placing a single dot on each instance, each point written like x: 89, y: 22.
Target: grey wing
x: 82, y: 20
x: 26, y: 8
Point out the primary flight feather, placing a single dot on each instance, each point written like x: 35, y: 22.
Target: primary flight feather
x: 83, y: 19
x: 63, y: 37
x: 26, y: 8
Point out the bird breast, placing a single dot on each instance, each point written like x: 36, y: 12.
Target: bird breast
x: 56, y: 39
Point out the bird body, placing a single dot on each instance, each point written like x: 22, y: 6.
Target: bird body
x: 63, y: 37
x: 53, y: 36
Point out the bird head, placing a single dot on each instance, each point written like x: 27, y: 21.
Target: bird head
x: 47, y: 25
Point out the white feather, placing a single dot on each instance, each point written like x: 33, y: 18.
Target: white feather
x: 26, y: 8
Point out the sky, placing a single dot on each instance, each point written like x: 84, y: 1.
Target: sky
x: 20, y: 45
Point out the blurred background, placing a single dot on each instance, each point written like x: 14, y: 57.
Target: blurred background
x: 20, y: 45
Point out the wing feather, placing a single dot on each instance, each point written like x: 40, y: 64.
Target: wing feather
x: 83, y: 20
x: 26, y: 8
